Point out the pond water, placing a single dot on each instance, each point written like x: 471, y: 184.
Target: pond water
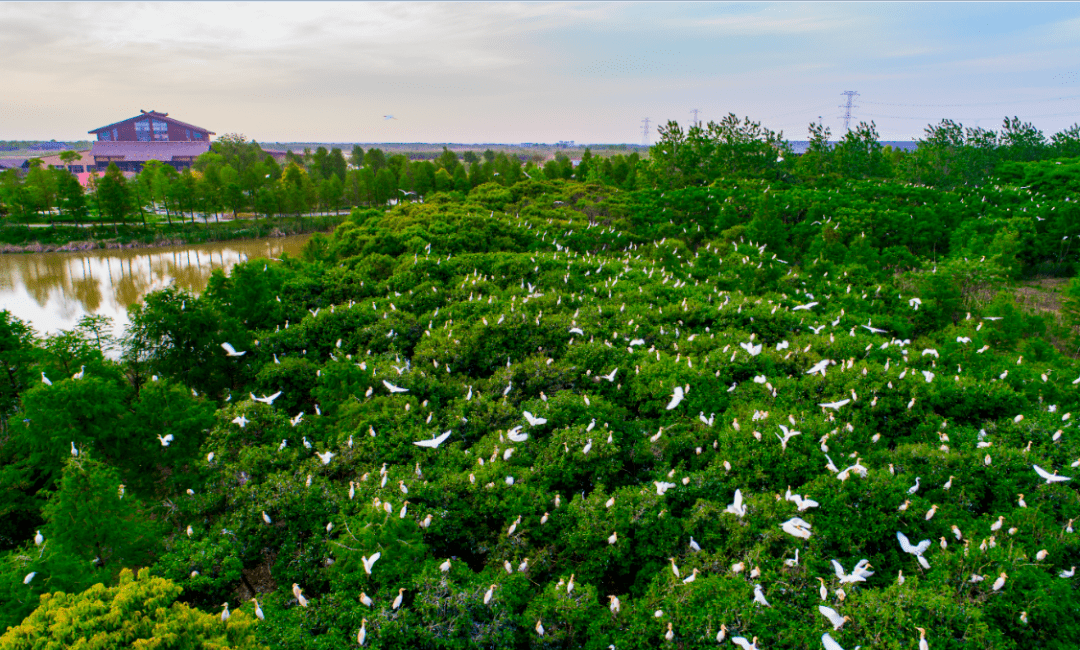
x: 52, y: 291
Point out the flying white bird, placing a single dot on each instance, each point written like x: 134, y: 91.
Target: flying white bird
x: 1050, y: 478
x: 230, y: 351
x: 737, y: 508
x: 241, y: 420
x: 325, y: 457
x: 434, y: 442
x: 796, y: 527
x: 534, y: 421
x: 394, y: 389
x: 662, y: 487
x: 917, y: 551
x: 370, y: 562
x: 165, y: 440
x: 833, y: 616
x: 676, y: 397
x: 515, y: 435
x: 266, y: 399
x: 835, y: 405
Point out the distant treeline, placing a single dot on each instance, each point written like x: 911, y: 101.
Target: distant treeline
x: 238, y: 176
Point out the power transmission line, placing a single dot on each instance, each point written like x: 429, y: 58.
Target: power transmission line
x: 851, y: 95
x: 645, y: 132
x: 695, y: 112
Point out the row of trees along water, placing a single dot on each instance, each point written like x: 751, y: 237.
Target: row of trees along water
x: 237, y: 176
x: 470, y: 422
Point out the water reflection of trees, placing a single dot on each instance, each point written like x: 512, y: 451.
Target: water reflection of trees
x: 108, y: 282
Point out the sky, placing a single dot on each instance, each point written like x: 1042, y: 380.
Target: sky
x: 502, y: 72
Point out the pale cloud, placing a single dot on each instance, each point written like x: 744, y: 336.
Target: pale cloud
x: 509, y: 72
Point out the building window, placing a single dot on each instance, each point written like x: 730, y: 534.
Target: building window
x: 115, y: 134
x: 142, y: 130
x: 198, y: 136
x: 104, y: 136
x: 161, y: 131
x: 188, y: 132
x: 75, y: 169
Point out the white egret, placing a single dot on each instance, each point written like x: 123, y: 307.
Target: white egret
x: 266, y: 399
x: 833, y: 616
x: 533, y: 420
x: 676, y: 398
x: 230, y: 351
x: 370, y: 562
x: 400, y: 597
x: 1050, y: 478
x: 394, y: 389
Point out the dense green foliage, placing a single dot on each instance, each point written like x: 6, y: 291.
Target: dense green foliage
x: 754, y: 329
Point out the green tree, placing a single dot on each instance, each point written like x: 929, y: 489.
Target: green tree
x: 92, y: 516
x: 17, y: 352
x: 336, y: 165
x: 356, y: 158
x: 375, y: 159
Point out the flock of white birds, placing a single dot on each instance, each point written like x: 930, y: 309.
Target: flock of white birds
x: 823, y: 333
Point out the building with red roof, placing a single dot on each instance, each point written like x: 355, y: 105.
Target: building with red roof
x: 149, y: 136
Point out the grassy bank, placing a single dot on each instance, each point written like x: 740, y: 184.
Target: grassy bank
x: 20, y: 239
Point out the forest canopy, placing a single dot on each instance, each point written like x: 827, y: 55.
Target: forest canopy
x: 733, y: 394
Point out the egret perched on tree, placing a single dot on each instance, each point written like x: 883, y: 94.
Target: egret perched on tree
x: 165, y: 440
x: 744, y: 644
x: 79, y: 375
x: 45, y: 380
x: 258, y: 610
x: 299, y: 594
x: 1000, y: 582
x: 38, y: 538
x: 488, y: 594
x: 361, y: 636
x: 225, y: 612
x: 759, y: 597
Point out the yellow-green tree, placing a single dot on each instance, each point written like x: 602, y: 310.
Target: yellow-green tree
x: 140, y: 612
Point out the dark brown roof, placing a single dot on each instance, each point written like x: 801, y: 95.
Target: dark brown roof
x: 143, y: 151
x: 160, y: 116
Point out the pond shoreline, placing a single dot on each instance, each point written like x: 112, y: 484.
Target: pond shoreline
x: 216, y: 233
